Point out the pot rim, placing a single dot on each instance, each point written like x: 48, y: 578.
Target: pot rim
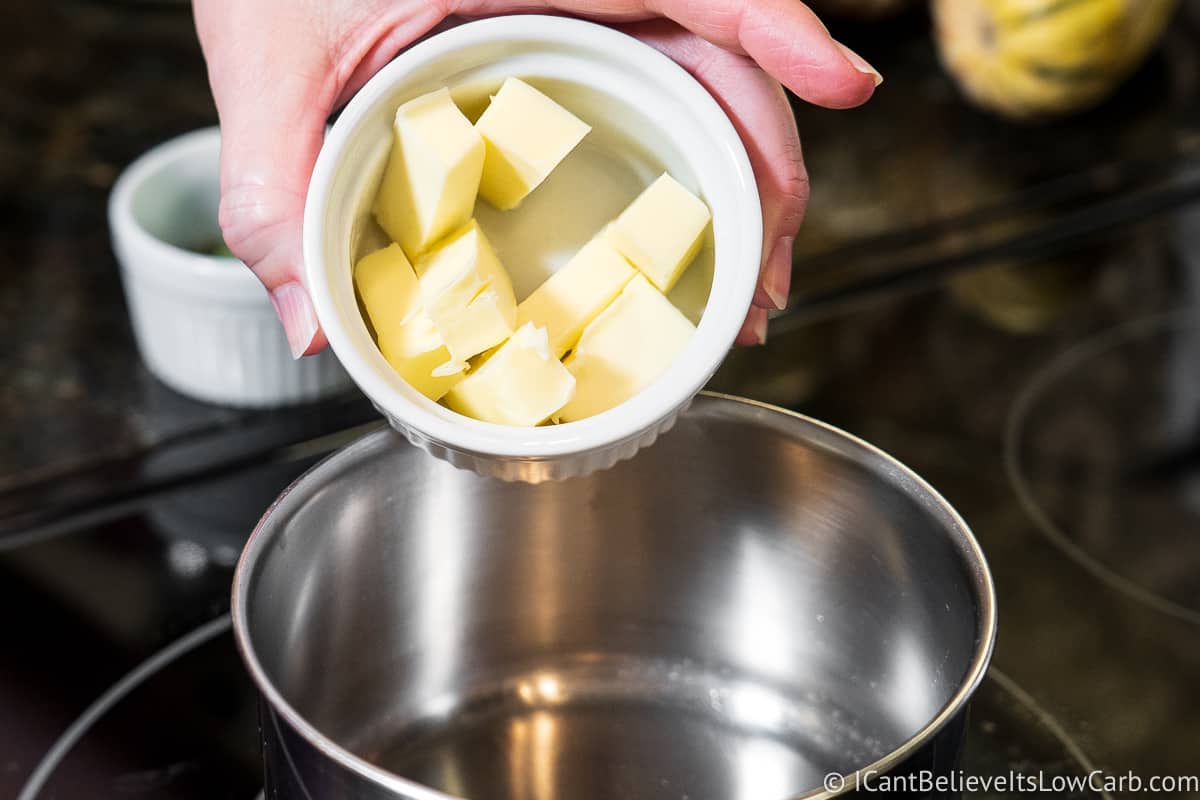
x: 964, y: 539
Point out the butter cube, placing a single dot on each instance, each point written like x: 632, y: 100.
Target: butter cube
x: 432, y: 174
x: 624, y: 349
x: 661, y: 231
x: 522, y: 383
x: 467, y: 293
x: 573, y: 296
x: 526, y: 134
x: 420, y: 357
x: 389, y: 292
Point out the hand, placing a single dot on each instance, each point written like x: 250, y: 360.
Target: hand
x: 278, y: 68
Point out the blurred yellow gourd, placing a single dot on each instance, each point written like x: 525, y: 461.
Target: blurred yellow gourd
x: 1041, y: 58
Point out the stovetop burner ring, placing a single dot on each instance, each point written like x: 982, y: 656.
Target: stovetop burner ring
x: 1048, y: 722
x: 114, y: 695
x: 1063, y: 363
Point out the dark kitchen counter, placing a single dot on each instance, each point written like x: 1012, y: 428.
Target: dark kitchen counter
x: 1012, y: 310
x: 86, y: 88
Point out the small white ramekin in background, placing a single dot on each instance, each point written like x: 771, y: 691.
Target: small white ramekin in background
x: 637, y: 101
x: 204, y: 324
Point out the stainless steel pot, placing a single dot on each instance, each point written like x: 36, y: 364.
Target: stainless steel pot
x: 755, y: 602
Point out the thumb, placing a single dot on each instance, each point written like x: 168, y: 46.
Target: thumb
x: 273, y: 98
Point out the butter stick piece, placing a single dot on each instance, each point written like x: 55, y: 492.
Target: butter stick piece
x: 388, y: 289
x: 624, y: 349
x: 522, y: 383
x: 572, y: 297
x: 467, y: 293
x: 432, y: 174
x: 526, y: 136
x: 661, y: 231
x: 419, y: 357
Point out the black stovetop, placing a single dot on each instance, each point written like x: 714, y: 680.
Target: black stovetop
x: 1015, y: 313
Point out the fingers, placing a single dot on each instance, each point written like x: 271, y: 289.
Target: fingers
x: 370, y: 33
x: 272, y: 97
x: 759, y: 110
x: 277, y: 68
x: 783, y: 36
x: 754, y: 329
x: 787, y: 40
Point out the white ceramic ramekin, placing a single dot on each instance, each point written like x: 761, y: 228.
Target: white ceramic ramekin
x: 635, y: 98
x: 204, y: 324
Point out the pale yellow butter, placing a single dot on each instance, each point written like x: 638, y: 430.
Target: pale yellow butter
x: 522, y: 383
x: 661, y: 231
x: 526, y: 134
x: 624, y: 349
x: 432, y: 174
x: 389, y: 292
x: 572, y: 297
x: 467, y: 293
x: 430, y: 371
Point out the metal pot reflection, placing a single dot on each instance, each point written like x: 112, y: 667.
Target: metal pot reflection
x: 754, y: 602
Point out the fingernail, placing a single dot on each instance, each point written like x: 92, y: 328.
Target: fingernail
x: 779, y: 272
x: 760, y: 325
x: 295, y: 311
x: 860, y: 63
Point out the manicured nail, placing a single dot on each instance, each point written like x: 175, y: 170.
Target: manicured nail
x: 297, y: 315
x: 860, y: 63
x: 779, y: 272
x: 760, y: 325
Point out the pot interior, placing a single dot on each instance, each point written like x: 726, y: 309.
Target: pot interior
x: 750, y: 604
